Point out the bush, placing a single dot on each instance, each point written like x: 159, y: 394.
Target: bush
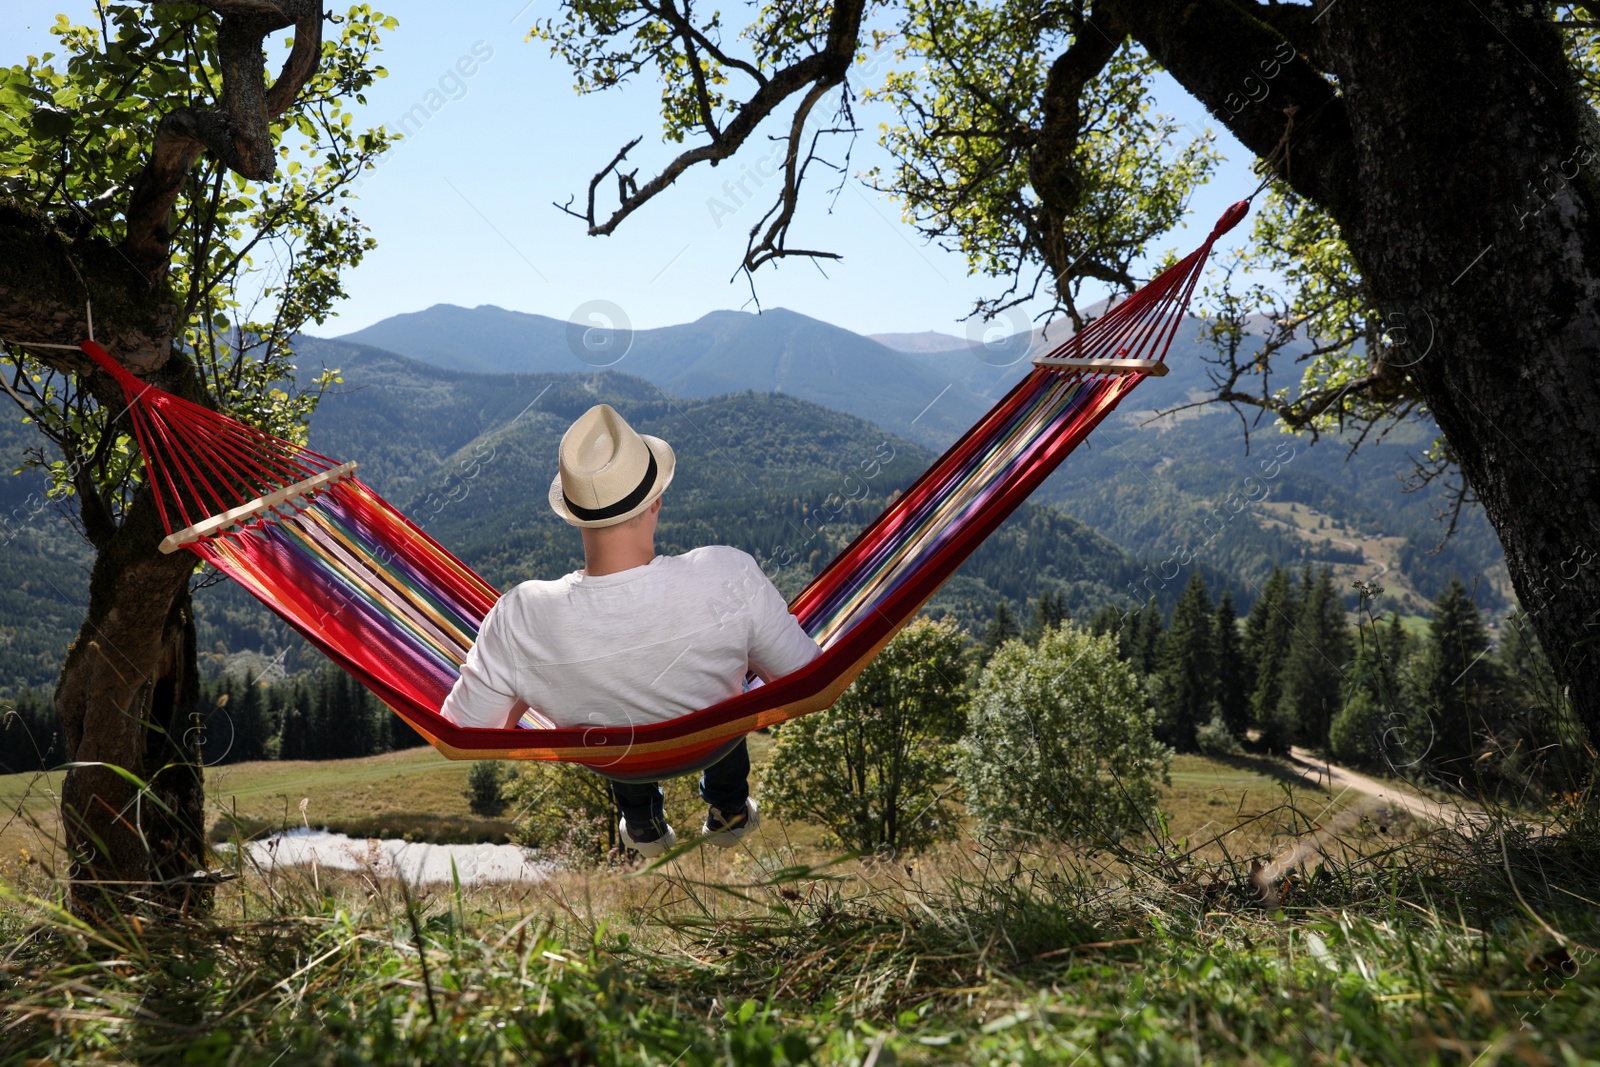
x: 1215, y: 739
x: 562, y: 808
x: 1060, y: 742
x: 870, y: 769
x: 484, y: 793
x: 1354, y: 733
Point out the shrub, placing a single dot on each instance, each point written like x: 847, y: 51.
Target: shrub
x: 562, y: 808
x: 1354, y: 733
x: 1060, y: 742
x: 1215, y: 739
x: 870, y: 769
x: 484, y: 793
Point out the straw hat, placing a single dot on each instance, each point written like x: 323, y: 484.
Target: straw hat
x: 609, y: 473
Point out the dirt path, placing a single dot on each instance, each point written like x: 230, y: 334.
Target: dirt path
x: 1339, y: 779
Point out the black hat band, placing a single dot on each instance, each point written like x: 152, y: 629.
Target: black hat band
x: 621, y: 507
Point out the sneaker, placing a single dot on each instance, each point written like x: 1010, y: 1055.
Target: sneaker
x: 650, y: 848
x: 725, y: 830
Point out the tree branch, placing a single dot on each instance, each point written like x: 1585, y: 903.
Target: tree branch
x: 238, y: 134
x: 771, y: 245
x: 1246, y: 72
x: 821, y: 70
x: 1052, y: 165
x: 47, y: 281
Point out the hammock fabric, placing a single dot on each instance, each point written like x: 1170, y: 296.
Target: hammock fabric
x: 387, y: 603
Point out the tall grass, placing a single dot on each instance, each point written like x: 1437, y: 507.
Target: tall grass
x: 1465, y: 946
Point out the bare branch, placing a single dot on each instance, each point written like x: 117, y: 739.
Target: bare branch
x: 771, y: 245
x: 594, y: 183
x: 1441, y: 464
x: 818, y: 71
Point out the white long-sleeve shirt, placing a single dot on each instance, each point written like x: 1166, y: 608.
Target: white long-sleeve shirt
x: 636, y: 646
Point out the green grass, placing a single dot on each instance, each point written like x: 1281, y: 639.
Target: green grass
x: 415, y: 791
x: 1421, y: 956
x: 1413, y: 946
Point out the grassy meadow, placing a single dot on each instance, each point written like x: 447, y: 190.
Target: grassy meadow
x: 1386, y: 942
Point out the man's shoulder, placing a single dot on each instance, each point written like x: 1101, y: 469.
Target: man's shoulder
x: 538, y: 588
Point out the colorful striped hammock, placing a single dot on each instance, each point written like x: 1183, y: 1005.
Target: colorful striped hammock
x: 368, y: 587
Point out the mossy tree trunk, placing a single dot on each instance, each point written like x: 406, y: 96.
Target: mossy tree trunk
x: 127, y: 699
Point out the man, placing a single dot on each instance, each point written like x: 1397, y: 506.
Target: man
x: 633, y: 637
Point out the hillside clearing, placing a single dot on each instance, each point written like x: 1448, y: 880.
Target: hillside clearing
x: 419, y: 792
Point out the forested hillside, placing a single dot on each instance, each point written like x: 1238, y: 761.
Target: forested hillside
x: 470, y: 458
x: 767, y: 473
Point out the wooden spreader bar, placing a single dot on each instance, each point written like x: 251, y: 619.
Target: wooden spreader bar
x: 244, y: 512
x: 1152, y: 367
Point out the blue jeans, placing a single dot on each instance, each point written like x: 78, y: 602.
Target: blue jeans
x: 725, y: 785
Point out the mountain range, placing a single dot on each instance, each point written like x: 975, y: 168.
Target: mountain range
x: 454, y: 414
x: 777, y: 351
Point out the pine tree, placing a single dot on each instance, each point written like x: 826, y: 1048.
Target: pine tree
x: 1108, y: 620
x: 1186, y: 677
x: 1379, y: 723
x: 383, y: 721
x: 356, y: 715
x: 1458, y: 682
x: 1267, y: 636
x: 1146, y: 639
x: 1381, y: 650
x: 289, y: 708
x: 1233, y: 669
x: 1549, y: 751
x: 1049, y: 612
x: 247, y: 709
x: 1319, y: 656
x: 329, y: 731
x: 30, y: 733
x: 1002, y: 628
x: 244, y: 712
x: 1529, y: 679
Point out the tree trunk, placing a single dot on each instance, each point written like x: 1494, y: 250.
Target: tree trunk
x: 128, y: 691
x: 1462, y: 164
x: 127, y: 699
x: 1459, y: 226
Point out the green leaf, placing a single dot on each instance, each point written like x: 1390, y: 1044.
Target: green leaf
x: 51, y: 123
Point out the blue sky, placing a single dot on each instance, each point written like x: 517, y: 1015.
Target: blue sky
x: 463, y: 213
